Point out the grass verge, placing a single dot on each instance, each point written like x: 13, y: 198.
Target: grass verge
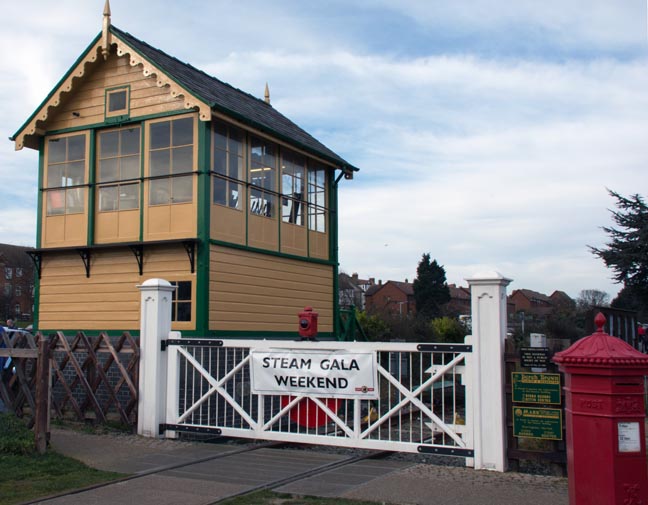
x: 25, y: 475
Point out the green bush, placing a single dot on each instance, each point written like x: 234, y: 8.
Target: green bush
x: 15, y: 437
x: 448, y: 329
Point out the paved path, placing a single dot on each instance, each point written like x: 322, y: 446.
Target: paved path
x: 213, y: 477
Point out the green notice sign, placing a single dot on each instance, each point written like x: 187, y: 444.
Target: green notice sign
x: 532, y: 422
x: 536, y: 388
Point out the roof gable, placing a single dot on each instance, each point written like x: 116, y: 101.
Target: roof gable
x: 199, y: 90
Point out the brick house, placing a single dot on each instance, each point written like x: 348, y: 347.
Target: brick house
x: 16, y: 295
x: 393, y: 297
x: 531, y: 302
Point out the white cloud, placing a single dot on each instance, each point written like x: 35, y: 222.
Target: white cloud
x: 485, y: 162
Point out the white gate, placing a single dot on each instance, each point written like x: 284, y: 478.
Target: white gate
x: 421, y: 402
x: 445, y: 399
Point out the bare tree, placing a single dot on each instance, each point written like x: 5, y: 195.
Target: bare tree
x: 589, y: 298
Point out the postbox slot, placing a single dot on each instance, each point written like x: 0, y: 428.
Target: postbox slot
x: 628, y: 384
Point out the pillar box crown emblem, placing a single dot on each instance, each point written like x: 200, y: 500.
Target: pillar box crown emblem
x: 601, y: 350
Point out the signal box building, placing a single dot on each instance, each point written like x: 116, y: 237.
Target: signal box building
x: 150, y: 168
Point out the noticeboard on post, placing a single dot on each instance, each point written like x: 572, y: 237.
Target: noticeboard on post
x: 541, y: 388
x: 537, y: 422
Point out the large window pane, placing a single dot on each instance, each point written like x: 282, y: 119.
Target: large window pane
x: 109, y: 170
x: 182, y: 189
x: 75, y: 173
x: 160, y: 135
x: 55, y: 176
x: 160, y: 163
x: 182, y: 160
x: 108, y: 198
x: 159, y: 194
x: 108, y: 144
x: 130, y: 141
x: 128, y: 196
x: 56, y: 202
x: 74, y: 201
x: 183, y: 132
x: 130, y: 167
x: 76, y: 148
x: 56, y: 150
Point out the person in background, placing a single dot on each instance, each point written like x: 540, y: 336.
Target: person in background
x: 2, y: 345
x: 11, y: 324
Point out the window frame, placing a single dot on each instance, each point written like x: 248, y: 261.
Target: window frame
x: 153, y: 181
x: 117, y: 115
x: 231, y: 183
x: 314, y: 209
x: 290, y: 171
x: 118, y: 182
x: 260, y: 192
x: 65, y: 189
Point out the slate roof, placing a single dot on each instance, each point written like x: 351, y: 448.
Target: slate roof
x: 231, y: 101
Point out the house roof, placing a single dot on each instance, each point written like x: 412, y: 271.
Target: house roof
x: 14, y: 255
x: 405, y: 287
x: 533, y: 295
x: 459, y: 292
x: 218, y: 95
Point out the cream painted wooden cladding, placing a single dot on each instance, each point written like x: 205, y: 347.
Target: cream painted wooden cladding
x: 257, y: 292
x: 87, y: 105
x: 107, y: 300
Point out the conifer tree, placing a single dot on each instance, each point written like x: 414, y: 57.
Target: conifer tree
x: 627, y: 251
x: 430, y: 288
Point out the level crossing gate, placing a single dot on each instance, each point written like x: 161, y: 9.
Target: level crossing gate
x: 420, y: 401
x: 428, y: 398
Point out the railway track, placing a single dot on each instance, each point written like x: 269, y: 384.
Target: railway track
x: 223, y: 457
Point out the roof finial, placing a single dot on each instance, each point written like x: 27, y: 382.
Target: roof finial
x: 105, y: 39
x: 267, y: 94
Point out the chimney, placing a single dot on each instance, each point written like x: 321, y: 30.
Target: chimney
x: 372, y: 281
x: 354, y: 276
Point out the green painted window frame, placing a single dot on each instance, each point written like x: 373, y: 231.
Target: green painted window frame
x: 118, y: 115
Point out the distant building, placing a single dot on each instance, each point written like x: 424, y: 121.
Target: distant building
x: 392, y: 297
x: 352, y: 289
x: 459, y: 301
x: 538, y: 304
x: 17, y: 294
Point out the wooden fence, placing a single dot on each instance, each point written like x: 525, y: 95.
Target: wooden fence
x: 91, y: 379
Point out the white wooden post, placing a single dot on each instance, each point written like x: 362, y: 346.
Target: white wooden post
x: 488, y: 300
x: 155, y: 325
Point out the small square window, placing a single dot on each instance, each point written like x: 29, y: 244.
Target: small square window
x: 117, y: 103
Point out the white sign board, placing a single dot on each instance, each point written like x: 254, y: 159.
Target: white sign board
x: 325, y: 374
x: 629, y: 439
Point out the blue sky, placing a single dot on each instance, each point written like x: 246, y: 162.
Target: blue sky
x: 486, y: 131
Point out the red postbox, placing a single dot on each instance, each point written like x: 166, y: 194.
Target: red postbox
x: 605, y: 415
x: 308, y: 323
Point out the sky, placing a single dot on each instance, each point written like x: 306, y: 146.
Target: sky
x: 487, y: 132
